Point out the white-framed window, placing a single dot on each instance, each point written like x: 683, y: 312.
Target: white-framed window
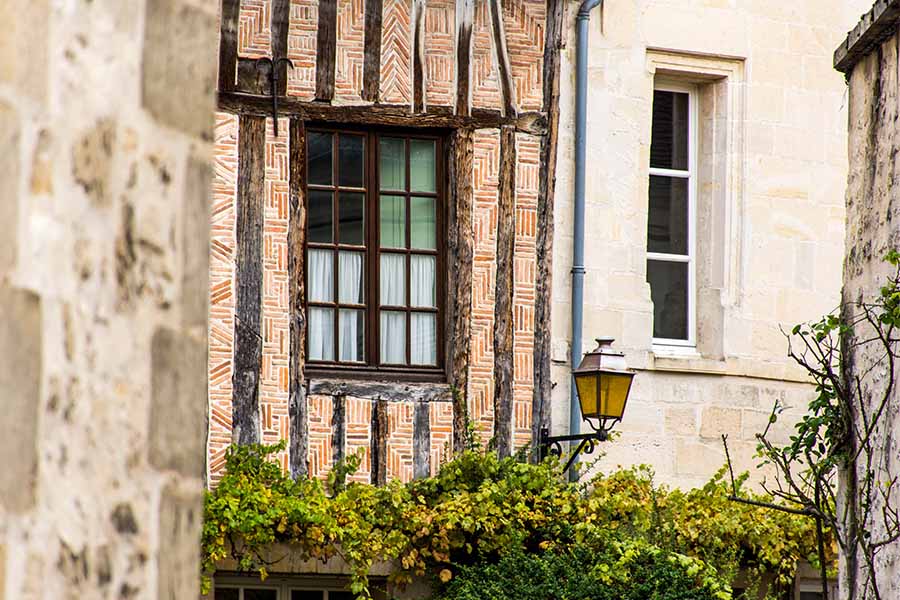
x: 279, y: 590
x: 671, y: 215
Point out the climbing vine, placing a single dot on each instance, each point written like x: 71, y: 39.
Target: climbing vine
x: 480, y: 509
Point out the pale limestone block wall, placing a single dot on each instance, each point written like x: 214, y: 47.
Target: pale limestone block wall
x: 106, y: 116
x: 771, y: 214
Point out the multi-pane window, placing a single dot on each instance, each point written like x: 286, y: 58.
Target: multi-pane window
x: 281, y: 592
x: 373, y: 251
x: 670, y: 223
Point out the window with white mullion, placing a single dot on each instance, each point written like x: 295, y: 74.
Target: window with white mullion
x: 671, y: 251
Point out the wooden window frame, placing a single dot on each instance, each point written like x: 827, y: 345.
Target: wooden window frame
x: 283, y: 584
x: 691, y: 175
x: 371, y: 368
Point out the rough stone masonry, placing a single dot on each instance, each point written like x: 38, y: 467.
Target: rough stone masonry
x: 106, y: 119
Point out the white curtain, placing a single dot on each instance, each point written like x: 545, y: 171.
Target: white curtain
x: 393, y: 280
x: 350, y: 277
x: 321, y: 333
x: 350, y: 339
x: 421, y: 281
x: 321, y: 276
x: 423, y: 340
x: 393, y: 337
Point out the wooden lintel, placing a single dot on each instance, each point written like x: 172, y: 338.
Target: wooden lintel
x: 398, y: 115
x: 326, y: 50
x: 393, y: 392
x: 379, y: 429
x: 281, y: 14
x: 248, y: 277
x: 504, y: 70
x: 460, y: 247
x: 503, y: 302
x: 422, y: 441
x: 418, y: 55
x: 540, y: 403
x: 372, y: 51
x: 298, y: 410
x: 465, y: 16
x: 228, y: 44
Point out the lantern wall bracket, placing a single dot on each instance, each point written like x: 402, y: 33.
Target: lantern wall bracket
x: 553, y: 444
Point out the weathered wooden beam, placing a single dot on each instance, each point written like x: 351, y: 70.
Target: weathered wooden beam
x: 228, y: 41
x: 393, y: 392
x: 503, y: 297
x: 372, y: 51
x: 399, y: 115
x: 422, y: 441
x: 460, y: 247
x: 326, y: 50
x: 418, y: 55
x: 540, y: 403
x: 281, y: 16
x: 379, y: 428
x: 501, y: 54
x: 251, y: 78
x: 298, y: 409
x: 248, y: 275
x: 338, y: 428
x: 465, y: 17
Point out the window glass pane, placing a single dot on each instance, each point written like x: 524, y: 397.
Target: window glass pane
x: 392, y: 163
x: 421, y: 280
x: 667, y: 221
x: 350, y: 218
x: 393, y: 222
x: 320, y: 276
x: 352, y: 333
x: 306, y: 595
x: 811, y: 596
x: 341, y: 596
x: 669, y: 141
x: 421, y: 221
x: 393, y: 337
x: 350, y: 276
x: 319, y: 217
x: 226, y: 593
x: 421, y: 166
x: 392, y: 279
x: 351, y: 158
x: 319, y: 146
x: 257, y: 594
x: 321, y: 333
x: 669, y: 292
x: 423, y: 339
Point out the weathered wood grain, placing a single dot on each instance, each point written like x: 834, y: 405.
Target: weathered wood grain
x: 298, y: 409
x: 418, y: 55
x: 465, y: 17
x: 338, y: 428
x: 532, y: 122
x: 248, y: 276
x: 422, y: 441
x: 326, y: 50
x: 460, y: 248
x: 379, y: 428
x: 251, y: 77
x: 540, y: 404
x: 281, y: 15
x: 228, y: 44
x: 503, y: 298
x: 501, y: 53
x: 392, y: 391
x: 372, y: 51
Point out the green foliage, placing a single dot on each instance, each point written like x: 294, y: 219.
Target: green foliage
x: 480, y: 510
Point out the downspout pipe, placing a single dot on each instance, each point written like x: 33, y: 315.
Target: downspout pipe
x: 582, y: 22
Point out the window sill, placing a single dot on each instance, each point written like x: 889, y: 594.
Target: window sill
x: 386, y: 390
x: 663, y: 351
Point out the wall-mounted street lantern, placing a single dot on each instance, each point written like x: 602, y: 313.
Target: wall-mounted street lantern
x: 602, y: 382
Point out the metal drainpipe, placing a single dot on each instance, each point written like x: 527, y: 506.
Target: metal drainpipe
x: 582, y: 22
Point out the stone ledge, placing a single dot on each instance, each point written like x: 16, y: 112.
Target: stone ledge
x: 872, y: 29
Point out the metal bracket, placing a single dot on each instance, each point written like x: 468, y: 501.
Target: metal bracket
x: 273, y: 82
x: 553, y: 445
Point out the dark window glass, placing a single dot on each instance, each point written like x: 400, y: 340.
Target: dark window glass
x: 669, y: 292
x: 669, y: 144
x: 667, y: 222
x: 341, y: 596
x: 810, y: 595
x: 319, y: 217
x: 307, y: 595
x: 350, y: 218
x: 227, y: 593
x: 258, y: 594
x: 319, y: 147
x: 352, y: 160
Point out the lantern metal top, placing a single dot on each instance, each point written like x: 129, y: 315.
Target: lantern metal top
x: 604, y: 358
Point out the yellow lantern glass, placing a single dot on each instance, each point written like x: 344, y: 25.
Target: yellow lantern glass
x: 603, y: 384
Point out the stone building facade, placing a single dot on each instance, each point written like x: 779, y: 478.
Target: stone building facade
x: 106, y: 122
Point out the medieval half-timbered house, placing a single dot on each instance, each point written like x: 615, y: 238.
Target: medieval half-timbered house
x: 378, y: 252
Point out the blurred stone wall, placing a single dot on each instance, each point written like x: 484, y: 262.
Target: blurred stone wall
x: 106, y: 119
